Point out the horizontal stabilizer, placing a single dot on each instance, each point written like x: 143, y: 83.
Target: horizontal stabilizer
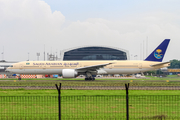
x: 160, y: 64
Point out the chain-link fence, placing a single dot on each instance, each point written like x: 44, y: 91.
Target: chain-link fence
x: 141, y: 107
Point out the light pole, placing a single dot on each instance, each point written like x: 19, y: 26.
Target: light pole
x: 135, y: 57
x: 132, y: 56
x: 28, y: 56
x: 3, y: 54
x: 38, y: 54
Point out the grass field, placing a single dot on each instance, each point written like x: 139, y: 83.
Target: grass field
x: 22, y: 92
x: 87, y: 83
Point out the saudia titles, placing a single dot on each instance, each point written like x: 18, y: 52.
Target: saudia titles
x: 157, y: 54
x: 55, y: 63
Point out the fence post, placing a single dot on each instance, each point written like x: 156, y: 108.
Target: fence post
x: 59, y: 99
x: 127, y: 101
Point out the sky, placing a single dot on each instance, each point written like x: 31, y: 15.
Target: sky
x: 26, y: 26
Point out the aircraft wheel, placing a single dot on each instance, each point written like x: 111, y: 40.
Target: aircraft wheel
x: 89, y: 79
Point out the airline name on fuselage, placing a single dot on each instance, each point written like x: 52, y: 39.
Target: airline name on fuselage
x: 77, y: 63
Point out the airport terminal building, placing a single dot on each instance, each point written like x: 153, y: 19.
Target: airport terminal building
x: 94, y: 53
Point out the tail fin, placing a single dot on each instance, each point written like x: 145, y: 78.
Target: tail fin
x: 158, y: 54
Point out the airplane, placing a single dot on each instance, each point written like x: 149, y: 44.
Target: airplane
x: 71, y: 69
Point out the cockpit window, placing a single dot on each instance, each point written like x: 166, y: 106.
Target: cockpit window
x: 11, y: 66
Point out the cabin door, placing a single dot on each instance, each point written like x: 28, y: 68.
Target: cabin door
x: 21, y: 66
x: 80, y: 65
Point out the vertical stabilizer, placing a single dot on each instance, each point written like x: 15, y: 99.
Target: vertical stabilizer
x: 158, y: 54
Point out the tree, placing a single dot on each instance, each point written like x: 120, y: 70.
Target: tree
x: 174, y: 64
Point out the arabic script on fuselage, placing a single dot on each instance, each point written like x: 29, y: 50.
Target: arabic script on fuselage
x: 65, y: 63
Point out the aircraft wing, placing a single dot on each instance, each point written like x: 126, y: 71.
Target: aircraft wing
x: 93, y: 67
x: 160, y: 64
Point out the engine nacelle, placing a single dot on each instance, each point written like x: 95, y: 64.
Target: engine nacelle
x: 1, y: 68
x: 165, y: 69
x: 69, y: 73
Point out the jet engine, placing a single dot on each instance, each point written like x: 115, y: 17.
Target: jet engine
x: 165, y: 69
x: 69, y: 73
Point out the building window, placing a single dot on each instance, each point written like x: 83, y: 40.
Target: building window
x: 95, y: 53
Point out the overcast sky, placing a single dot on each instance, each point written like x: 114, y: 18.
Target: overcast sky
x: 27, y: 25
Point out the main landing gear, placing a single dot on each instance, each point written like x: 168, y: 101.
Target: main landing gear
x: 90, y: 79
